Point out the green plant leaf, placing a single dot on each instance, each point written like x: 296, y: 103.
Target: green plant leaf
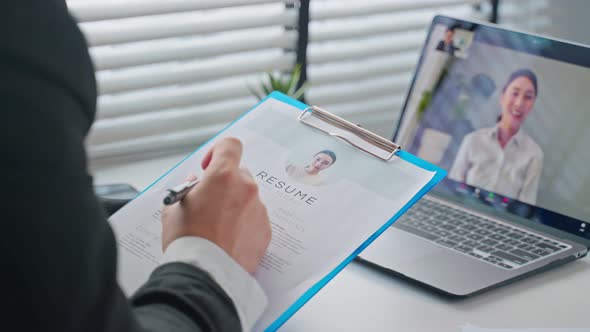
x: 284, y: 81
x: 274, y: 83
x: 266, y: 89
x: 254, y: 92
x: 297, y: 94
x: 292, y: 85
x: 278, y: 85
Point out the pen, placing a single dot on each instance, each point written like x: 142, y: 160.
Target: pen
x: 177, y: 193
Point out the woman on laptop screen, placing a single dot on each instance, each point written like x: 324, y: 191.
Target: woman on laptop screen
x: 504, y: 159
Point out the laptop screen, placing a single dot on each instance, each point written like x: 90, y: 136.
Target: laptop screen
x: 507, y: 115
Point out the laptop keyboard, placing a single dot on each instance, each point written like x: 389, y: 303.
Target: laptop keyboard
x: 495, y: 243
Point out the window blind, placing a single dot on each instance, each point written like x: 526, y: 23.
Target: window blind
x: 526, y: 15
x: 362, y: 54
x: 173, y: 73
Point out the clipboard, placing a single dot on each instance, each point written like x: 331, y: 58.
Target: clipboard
x: 391, y: 150
x: 366, y: 136
x: 378, y: 150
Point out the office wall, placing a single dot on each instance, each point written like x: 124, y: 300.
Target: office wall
x: 568, y: 19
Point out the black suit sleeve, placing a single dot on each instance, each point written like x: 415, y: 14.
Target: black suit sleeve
x: 59, y: 253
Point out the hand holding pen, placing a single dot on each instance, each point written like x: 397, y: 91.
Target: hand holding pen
x: 177, y: 193
x: 224, y: 208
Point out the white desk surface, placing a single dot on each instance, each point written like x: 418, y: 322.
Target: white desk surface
x: 363, y: 299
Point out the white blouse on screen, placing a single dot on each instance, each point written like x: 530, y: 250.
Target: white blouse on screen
x: 513, y: 171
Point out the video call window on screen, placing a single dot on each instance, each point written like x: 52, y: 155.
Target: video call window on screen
x: 455, y: 42
x: 492, y: 116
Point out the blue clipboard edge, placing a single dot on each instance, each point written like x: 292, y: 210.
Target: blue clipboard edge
x: 439, y: 175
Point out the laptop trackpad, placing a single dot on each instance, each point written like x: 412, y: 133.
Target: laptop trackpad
x: 397, y: 246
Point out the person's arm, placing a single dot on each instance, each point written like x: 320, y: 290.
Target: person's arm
x: 225, y: 210
x: 460, y: 166
x: 59, y: 252
x: 530, y: 186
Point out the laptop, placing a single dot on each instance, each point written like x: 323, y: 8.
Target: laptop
x: 505, y: 113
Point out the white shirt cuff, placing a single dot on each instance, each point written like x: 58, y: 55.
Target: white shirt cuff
x: 247, y: 295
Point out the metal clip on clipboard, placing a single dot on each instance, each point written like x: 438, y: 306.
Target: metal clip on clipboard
x: 366, y: 136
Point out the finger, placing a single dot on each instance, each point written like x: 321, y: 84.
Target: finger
x: 191, y: 177
x: 246, y: 172
x: 226, y: 154
x: 207, y: 159
x: 247, y: 176
x: 164, y: 213
x: 249, y: 182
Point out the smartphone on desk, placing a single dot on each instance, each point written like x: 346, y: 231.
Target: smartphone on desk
x: 114, y: 196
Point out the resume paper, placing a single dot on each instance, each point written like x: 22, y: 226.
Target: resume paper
x: 324, y: 197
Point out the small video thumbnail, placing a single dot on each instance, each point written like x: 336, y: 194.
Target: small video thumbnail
x: 455, y: 41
